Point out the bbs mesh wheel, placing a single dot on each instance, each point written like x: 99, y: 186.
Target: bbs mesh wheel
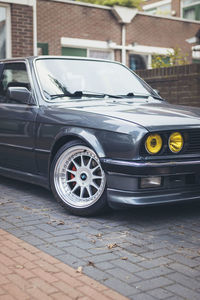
x: 78, y: 180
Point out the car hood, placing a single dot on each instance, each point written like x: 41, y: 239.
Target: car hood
x: 152, y: 115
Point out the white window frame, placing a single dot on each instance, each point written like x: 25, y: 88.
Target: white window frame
x: 156, y: 4
x: 185, y: 6
x: 149, y: 51
x: 8, y: 30
x: 87, y: 44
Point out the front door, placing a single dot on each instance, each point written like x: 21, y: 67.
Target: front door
x: 17, y: 121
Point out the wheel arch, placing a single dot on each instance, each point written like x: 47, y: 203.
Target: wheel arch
x: 77, y: 134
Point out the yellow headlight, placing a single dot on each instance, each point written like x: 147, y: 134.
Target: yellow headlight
x: 153, y: 143
x: 176, y: 142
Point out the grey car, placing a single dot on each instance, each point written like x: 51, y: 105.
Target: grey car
x: 96, y: 134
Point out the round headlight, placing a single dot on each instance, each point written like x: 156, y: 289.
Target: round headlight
x: 176, y: 142
x: 153, y: 143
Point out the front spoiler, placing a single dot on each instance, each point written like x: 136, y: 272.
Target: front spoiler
x: 120, y: 199
x: 130, y: 172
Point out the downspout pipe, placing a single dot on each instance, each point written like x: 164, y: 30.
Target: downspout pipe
x: 35, y: 27
x: 124, y: 44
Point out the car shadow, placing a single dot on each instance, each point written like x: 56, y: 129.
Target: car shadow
x: 141, y: 215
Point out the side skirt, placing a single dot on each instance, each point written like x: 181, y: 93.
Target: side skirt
x: 26, y: 177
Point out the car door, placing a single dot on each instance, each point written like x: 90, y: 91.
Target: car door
x: 17, y: 121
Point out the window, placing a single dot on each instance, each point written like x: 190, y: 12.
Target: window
x: 100, y: 54
x: 42, y: 48
x: 138, y: 62
x: 85, y: 52
x: 4, y: 31
x: 13, y: 75
x: 74, y: 51
x: 161, y: 8
x: 191, y: 9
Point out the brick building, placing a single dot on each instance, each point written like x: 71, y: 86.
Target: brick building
x: 64, y: 27
x: 187, y: 9
x: 17, y: 32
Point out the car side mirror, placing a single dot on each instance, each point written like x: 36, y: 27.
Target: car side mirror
x: 20, y: 94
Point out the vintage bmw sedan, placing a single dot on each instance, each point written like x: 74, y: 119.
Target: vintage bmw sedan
x: 95, y: 134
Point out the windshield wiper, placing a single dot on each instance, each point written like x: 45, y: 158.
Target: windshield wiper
x: 79, y: 94
x: 132, y: 95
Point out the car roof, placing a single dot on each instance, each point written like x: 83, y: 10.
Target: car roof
x: 32, y: 58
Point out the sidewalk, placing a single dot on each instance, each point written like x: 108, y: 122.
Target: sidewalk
x: 28, y: 273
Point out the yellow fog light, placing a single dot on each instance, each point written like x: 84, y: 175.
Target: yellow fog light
x: 153, y: 143
x: 176, y: 142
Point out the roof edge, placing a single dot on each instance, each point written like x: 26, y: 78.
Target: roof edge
x: 83, y: 4
x: 169, y: 18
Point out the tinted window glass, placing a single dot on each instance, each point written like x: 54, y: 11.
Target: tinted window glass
x: 13, y: 75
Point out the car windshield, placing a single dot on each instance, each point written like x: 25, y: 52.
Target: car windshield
x: 86, y: 78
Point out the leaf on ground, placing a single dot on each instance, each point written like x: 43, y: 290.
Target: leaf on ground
x: 124, y: 258
x: 98, y: 235
x: 61, y: 223
x: 26, y: 207
x: 111, y: 246
x: 19, y: 267
x: 90, y: 263
x: 79, y: 270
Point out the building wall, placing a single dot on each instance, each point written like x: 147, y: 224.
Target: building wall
x: 22, y: 30
x: 161, y: 32
x: 57, y: 19
x: 176, y: 6
x: 178, y: 85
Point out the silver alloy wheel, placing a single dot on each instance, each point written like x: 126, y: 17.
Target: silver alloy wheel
x: 78, y: 177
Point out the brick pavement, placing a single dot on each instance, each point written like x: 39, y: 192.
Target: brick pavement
x: 142, y: 253
x: 28, y: 273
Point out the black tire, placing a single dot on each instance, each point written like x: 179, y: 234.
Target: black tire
x: 74, y: 189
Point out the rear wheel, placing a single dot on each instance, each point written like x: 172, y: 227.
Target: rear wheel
x: 78, y: 180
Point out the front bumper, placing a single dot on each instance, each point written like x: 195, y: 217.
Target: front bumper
x: 180, y: 182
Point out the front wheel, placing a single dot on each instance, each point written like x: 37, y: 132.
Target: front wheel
x: 78, y: 180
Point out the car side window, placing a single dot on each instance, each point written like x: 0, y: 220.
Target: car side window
x: 13, y: 75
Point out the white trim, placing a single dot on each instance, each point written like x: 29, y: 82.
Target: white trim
x: 8, y: 30
x: 22, y: 2
x: 157, y: 4
x: 141, y: 49
x: 83, y: 4
x: 124, y: 14
x: 196, y: 52
x: 88, y: 45
x: 168, y: 18
x: 188, y: 5
x: 79, y: 43
x: 197, y: 47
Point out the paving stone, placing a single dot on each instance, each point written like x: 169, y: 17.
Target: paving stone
x: 183, y: 291
x: 150, y: 284
x: 160, y: 293
x: 154, y: 272
x: 157, y: 247
x: 126, y: 265
x: 123, y: 287
x: 142, y: 296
